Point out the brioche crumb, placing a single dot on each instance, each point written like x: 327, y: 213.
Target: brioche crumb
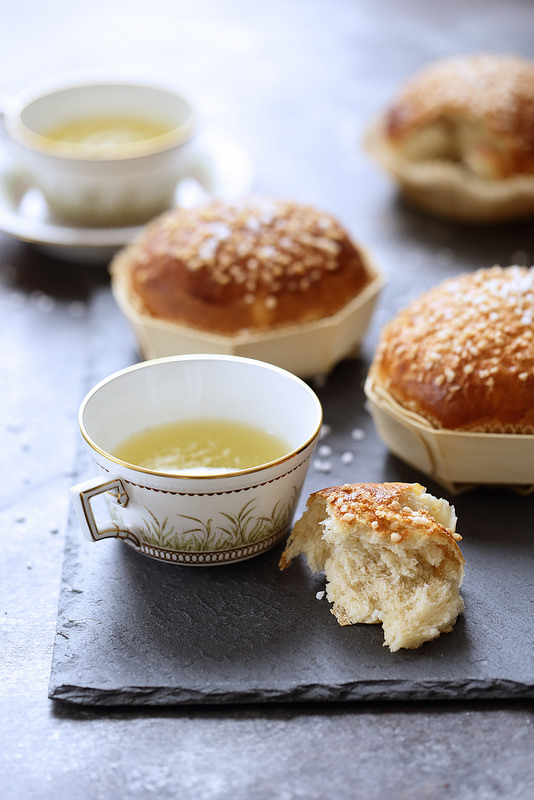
x: 393, y: 558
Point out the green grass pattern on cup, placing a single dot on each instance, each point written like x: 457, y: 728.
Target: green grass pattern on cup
x: 239, y: 529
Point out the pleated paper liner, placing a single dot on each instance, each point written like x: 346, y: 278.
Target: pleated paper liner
x: 306, y: 350
x: 456, y: 460
x: 447, y: 189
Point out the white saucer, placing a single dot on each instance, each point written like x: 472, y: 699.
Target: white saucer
x: 227, y: 172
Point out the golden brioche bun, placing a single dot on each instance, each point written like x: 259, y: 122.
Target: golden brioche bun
x: 459, y: 137
x: 462, y: 354
x: 255, y: 265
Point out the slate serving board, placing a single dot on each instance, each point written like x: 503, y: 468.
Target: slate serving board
x: 139, y: 632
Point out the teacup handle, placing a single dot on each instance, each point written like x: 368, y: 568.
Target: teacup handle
x: 196, y: 182
x: 5, y: 100
x: 83, y: 493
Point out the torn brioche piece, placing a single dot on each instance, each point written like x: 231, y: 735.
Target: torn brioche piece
x: 389, y: 553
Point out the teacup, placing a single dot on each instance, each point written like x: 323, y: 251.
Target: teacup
x: 193, y: 517
x: 103, y: 151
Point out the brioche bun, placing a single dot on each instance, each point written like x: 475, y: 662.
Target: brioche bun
x: 459, y: 138
x: 228, y: 268
x: 462, y: 354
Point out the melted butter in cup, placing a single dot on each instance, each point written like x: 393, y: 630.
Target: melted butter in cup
x: 202, y: 447
x: 104, y: 135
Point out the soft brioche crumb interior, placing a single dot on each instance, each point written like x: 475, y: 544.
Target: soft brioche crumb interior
x: 405, y: 575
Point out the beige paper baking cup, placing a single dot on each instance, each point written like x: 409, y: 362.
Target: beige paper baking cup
x: 307, y: 350
x: 454, y: 459
x: 446, y: 189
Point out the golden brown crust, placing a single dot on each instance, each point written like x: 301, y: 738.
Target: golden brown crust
x: 393, y: 513
x: 477, y: 110
x: 383, y: 507
x: 462, y: 354
x: 255, y: 265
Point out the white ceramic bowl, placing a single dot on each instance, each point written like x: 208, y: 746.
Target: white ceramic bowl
x: 186, y: 518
